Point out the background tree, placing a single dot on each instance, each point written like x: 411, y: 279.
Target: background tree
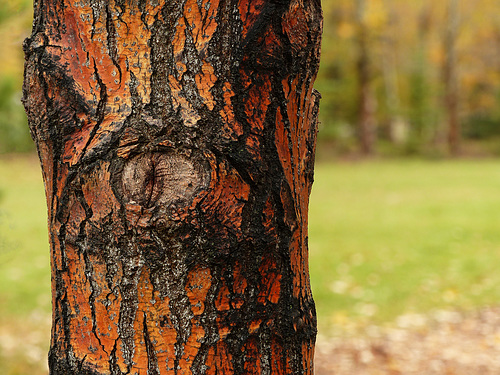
x: 395, y: 123
x: 366, y: 99
x: 407, y: 55
x: 177, y: 143
x: 450, y: 77
x: 420, y: 96
x: 14, y: 23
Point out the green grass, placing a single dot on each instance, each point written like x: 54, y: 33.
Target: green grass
x: 24, y: 268
x: 395, y: 237
x: 387, y: 237
x: 24, y: 254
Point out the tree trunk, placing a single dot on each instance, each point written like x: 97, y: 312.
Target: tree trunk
x: 366, y: 99
x: 420, y: 103
x: 451, y: 78
x: 177, y: 143
x: 396, y: 124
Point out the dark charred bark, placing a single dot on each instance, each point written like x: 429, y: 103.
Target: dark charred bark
x: 177, y: 143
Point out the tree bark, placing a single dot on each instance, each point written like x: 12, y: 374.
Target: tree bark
x: 177, y: 141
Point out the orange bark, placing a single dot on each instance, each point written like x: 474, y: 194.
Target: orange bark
x: 177, y: 141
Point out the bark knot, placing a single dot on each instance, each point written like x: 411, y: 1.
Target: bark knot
x: 162, y: 179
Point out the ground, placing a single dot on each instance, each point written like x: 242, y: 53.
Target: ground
x: 444, y: 343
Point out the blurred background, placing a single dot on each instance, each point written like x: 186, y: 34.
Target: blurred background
x: 404, y: 215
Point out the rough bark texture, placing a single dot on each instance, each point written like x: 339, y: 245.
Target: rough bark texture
x: 177, y: 143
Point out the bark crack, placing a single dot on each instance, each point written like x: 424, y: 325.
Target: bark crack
x: 150, y: 349
x: 101, y: 113
x: 111, y: 40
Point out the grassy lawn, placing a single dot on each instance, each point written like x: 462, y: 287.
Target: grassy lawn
x: 387, y: 238
x: 24, y: 254
x: 394, y: 237
x: 24, y: 268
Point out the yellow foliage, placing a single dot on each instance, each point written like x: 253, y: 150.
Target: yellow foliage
x: 346, y: 30
x: 12, y: 34
x: 375, y: 16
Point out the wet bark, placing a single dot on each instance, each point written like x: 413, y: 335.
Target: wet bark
x: 177, y: 141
